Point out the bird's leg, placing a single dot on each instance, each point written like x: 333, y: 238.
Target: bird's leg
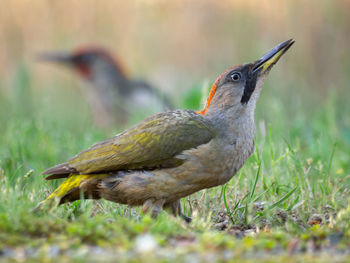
x: 177, y: 210
x: 147, y: 205
x: 155, y: 205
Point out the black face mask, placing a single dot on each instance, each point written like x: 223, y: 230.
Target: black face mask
x: 250, y: 84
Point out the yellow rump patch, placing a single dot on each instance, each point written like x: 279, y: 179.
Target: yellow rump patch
x: 73, y: 181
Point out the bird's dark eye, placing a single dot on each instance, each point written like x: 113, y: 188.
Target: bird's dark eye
x: 236, y: 76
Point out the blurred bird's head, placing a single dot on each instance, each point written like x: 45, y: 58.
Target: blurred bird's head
x: 239, y: 87
x: 89, y: 62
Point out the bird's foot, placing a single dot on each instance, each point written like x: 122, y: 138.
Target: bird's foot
x: 155, y: 206
x: 177, y: 210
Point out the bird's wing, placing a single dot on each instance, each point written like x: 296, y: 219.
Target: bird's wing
x: 151, y: 144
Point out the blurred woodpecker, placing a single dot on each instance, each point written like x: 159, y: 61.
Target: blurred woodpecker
x: 114, y: 96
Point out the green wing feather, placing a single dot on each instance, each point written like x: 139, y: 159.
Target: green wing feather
x: 151, y: 144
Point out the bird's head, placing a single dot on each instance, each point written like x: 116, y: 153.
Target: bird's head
x: 239, y: 87
x: 88, y: 62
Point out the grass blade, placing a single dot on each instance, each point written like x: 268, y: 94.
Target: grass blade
x: 286, y: 196
x: 255, y: 181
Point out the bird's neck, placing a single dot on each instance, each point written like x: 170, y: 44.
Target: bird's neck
x: 229, y: 114
x: 233, y: 122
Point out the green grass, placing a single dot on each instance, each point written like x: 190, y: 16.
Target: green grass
x: 300, y: 168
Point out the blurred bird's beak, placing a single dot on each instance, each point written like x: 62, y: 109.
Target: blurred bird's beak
x: 265, y: 63
x: 55, y: 57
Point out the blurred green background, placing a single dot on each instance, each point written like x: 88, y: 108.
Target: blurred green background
x: 178, y: 46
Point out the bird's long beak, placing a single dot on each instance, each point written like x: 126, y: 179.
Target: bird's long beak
x: 55, y: 57
x: 266, y: 62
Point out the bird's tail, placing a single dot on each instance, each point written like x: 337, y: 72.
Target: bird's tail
x: 73, y: 188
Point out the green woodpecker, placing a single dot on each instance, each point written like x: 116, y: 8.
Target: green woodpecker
x: 112, y: 94
x: 173, y: 154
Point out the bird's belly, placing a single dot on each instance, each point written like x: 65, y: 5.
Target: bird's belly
x: 134, y: 188
x: 201, y: 170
